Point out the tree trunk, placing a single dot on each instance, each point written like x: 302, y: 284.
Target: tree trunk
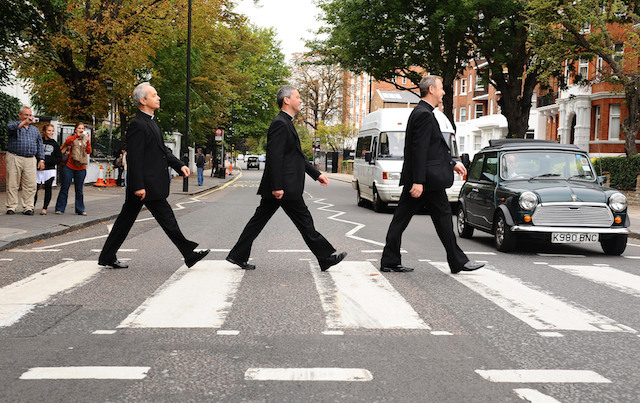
x: 631, y: 124
x: 447, y: 100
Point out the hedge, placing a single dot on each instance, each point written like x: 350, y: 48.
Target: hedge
x: 9, y: 108
x: 623, y: 170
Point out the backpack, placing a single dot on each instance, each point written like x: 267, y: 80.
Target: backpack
x: 79, y: 152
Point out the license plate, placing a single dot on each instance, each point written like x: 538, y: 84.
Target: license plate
x: 571, y: 237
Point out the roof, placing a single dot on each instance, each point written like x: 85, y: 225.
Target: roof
x: 400, y: 97
x: 519, y: 144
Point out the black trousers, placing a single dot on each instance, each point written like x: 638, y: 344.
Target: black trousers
x: 48, y: 185
x: 298, y: 212
x: 161, y: 211
x: 440, y: 211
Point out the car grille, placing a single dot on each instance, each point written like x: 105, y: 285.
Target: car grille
x: 573, y: 215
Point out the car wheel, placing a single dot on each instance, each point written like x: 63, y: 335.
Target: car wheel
x: 359, y: 200
x: 615, y: 245
x: 378, y: 205
x: 505, y: 240
x: 464, y: 229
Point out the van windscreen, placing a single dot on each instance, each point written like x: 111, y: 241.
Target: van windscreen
x: 392, y: 144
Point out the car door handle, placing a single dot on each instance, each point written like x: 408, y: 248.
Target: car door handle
x: 474, y: 190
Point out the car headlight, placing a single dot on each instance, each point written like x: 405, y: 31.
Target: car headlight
x: 528, y: 201
x: 618, y: 202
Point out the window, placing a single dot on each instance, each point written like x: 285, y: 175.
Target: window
x: 618, y: 52
x: 583, y: 69
x: 476, y: 168
x: 461, y: 144
x: 479, y: 84
x: 463, y: 114
x: 596, y: 124
x: 490, y: 170
x: 614, y: 121
x: 404, y: 80
x: 599, y: 62
x: 463, y: 86
x: 470, y: 82
x: 566, y: 71
x: 479, y: 110
x: 477, y: 142
x: 363, y: 145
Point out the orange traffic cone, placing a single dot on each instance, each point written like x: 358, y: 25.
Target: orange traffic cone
x: 230, y: 169
x: 110, y: 179
x: 100, y: 181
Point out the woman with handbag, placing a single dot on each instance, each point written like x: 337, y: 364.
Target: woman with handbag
x: 52, y: 157
x: 75, y: 169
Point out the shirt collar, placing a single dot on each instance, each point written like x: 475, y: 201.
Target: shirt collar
x: 148, y: 114
x: 290, y: 117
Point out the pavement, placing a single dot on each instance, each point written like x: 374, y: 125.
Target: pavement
x: 104, y: 204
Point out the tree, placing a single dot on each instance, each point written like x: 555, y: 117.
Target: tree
x: 336, y: 136
x: 17, y: 18
x: 408, y: 37
x: 9, y: 108
x: 595, y: 28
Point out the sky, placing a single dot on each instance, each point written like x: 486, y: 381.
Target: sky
x: 294, y: 20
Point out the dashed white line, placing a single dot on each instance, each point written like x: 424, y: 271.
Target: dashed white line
x: 105, y: 372
x: 534, y: 396
x: 541, y: 376
x: 308, y: 374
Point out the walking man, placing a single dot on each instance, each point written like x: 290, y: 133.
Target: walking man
x: 25, y: 155
x: 200, y: 166
x: 426, y: 173
x: 148, y: 160
x: 282, y: 186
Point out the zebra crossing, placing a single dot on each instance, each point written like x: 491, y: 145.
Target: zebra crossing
x: 353, y: 295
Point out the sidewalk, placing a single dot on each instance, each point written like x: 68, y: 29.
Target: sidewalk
x: 102, y: 204
x: 633, y: 211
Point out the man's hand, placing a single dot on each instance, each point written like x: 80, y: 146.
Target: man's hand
x: 141, y: 193
x: 460, y: 169
x: 278, y: 194
x: 185, y: 171
x: 416, y: 190
x: 41, y: 165
x: 324, y: 181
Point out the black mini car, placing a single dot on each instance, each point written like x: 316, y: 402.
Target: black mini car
x: 542, y: 189
x: 253, y: 162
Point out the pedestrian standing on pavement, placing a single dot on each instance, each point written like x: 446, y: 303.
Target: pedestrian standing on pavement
x: 426, y: 173
x: 148, y: 160
x: 282, y: 185
x: 75, y: 170
x: 200, y: 166
x: 118, y: 162
x: 52, y: 157
x: 24, y: 157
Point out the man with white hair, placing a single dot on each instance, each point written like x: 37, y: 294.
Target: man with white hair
x: 148, y: 160
x: 24, y: 148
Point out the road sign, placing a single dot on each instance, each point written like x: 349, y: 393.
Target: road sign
x: 219, y: 133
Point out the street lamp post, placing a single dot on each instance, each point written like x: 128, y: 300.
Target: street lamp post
x: 185, y: 181
x: 109, y: 83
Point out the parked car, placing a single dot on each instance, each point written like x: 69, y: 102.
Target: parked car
x: 540, y: 189
x: 253, y: 162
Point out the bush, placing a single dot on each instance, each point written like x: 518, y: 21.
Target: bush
x: 623, y: 170
x: 9, y: 108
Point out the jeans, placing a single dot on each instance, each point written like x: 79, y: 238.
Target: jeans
x: 77, y: 177
x: 200, y: 176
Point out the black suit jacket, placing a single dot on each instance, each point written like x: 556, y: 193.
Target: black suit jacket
x: 148, y: 159
x: 427, y: 157
x: 286, y: 164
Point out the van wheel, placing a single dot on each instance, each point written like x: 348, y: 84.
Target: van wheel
x: 378, y: 205
x: 359, y: 200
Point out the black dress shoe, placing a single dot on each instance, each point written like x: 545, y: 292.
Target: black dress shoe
x: 28, y: 212
x: 116, y: 264
x: 399, y: 269
x: 469, y: 266
x: 196, y: 257
x: 332, y: 260
x: 10, y: 212
x: 243, y: 265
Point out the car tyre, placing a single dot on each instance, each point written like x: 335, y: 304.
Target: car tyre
x: 614, y: 246
x: 378, y: 205
x: 359, y: 200
x: 505, y: 240
x: 464, y: 229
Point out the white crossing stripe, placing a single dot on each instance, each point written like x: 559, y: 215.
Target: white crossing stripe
x: 308, y: 374
x: 196, y: 297
x: 352, y: 297
x: 19, y: 298
x: 541, y: 376
x: 610, y: 277
x: 539, y: 310
x: 534, y: 396
x: 86, y: 373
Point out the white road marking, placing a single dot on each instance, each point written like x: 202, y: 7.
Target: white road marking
x: 86, y: 373
x: 551, y: 334
x: 333, y: 332
x: 379, y: 251
x: 541, y: 376
x: 196, y: 297
x: 539, y: 310
x: 221, y: 250
x: 105, y: 332
x: 558, y: 255
x: 19, y: 298
x: 534, y: 396
x: 480, y: 253
x: 228, y: 332
x: 289, y: 251
x: 441, y: 333
x: 119, y: 250
x: 71, y: 242
x: 352, y: 298
x: 541, y: 263
x: 617, y: 279
x: 631, y: 257
x: 33, y: 250
x: 351, y: 233
x: 308, y: 374
x: 5, y: 259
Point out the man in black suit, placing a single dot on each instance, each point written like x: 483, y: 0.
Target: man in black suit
x: 426, y: 173
x: 282, y: 186
x: 148, y: 160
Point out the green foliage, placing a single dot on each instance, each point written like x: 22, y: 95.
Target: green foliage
x: 334, y: 137
x: 623, y: 170
x: 9, y: 108
x: 306, y: 141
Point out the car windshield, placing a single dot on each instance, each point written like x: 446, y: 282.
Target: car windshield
x: 546, y: 165
x: 392, y: 144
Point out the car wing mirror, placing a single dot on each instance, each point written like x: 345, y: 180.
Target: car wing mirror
x: 602, y: 180
x: 367, y: 156
x: 466, y: 161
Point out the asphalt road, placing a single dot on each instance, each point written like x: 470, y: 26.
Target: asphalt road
x: 541, y: 324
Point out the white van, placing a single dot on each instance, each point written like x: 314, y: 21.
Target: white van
x: 380, y: 154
